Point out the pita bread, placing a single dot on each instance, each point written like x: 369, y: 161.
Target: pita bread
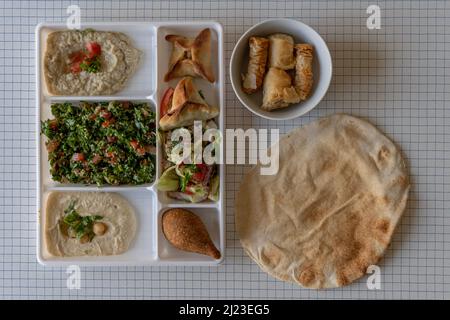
x: 331, y: 209
x: 187, y: 106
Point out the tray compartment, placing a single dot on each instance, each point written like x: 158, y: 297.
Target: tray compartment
x: 145, y: 86
x: 46, y: 180
x: 213, y: 92
x: 141, y: 84
x: 143, y: 249
x: 168, y: 254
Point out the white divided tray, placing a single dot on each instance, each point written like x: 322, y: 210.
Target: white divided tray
x: 150, y: 246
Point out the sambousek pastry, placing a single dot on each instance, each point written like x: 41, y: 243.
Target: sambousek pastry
x: 331, y: 209
x: 281, y: 51
x: 278, y: 91
x: 258, y: 51
x: 190, y: 57
x: 303, y: 70
x: 185, y: 106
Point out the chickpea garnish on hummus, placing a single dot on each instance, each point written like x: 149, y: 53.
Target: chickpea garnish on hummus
x: 84, y: 228
x: 88, y: 224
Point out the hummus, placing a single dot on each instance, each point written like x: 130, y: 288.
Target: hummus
x: 115, y: 212
x: 118, y: 61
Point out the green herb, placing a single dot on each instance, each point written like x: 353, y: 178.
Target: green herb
x: 184, y: 181
x: 80, y: 225
x: 201, y: 94
x: 188, y: 171
x: 90, y: 143
x: 91, y: 65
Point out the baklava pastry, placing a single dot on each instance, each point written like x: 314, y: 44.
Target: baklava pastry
x: 258, y: 51
x: 278, y: 91
x: 303, y: 70
x: 281, y: 52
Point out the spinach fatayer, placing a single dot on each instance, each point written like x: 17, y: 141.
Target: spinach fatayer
x: 101, y: 143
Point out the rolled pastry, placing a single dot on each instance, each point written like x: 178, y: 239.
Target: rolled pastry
x: 278, y: 91
x: 258, y: 51
x: 281, y: 52
x: 303, y: 70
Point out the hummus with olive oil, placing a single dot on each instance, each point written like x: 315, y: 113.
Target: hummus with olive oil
x: 117, y: 215
x: 118, y: 61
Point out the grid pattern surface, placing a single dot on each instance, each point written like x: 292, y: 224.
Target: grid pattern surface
x: 396, y: 77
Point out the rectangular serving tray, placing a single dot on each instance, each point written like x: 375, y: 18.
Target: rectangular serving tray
x: 150, y: 246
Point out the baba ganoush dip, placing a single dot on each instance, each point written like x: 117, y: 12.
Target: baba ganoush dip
x: 88, y: 224
x: 88, y: 62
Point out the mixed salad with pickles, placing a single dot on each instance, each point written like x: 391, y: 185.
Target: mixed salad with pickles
x: 183, y: 181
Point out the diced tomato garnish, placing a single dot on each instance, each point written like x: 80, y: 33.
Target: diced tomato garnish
x: 75, y: 67
x: 78, y: 157
x: 105, y: 114
x: 52, y: 145
x: 140, y: 151
x: 202, y: 170
x: 94, y: 49
x: 107, y: 123
x: 96, y: 159
x: 198, y: 176
x: 166, y: 102
x: 111, y: 156
x: 53, y: 124
x: 188, y: 190
x: 77, y: 56
x: 134, y: 144
x: 111, y: 139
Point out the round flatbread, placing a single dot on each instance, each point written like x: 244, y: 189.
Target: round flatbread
x: 331, y: 209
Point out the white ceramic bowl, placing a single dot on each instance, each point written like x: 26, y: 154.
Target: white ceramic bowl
x: 322, y: 67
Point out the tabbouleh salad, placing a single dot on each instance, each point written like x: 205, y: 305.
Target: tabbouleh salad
x: 101, y: 143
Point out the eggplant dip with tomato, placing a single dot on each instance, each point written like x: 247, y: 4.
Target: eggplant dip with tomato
x: 184, y: 180
x: 101, y: 143
x: 88, y: 62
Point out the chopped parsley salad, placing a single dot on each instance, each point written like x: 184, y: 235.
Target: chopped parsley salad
x: 101, y: 143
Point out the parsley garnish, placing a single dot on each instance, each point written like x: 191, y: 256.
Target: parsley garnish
x: 80, y: 225
x: 91, y: 65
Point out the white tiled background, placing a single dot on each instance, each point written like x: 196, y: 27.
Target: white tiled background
x: 398, y: 77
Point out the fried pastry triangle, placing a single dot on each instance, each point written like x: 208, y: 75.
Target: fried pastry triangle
x: 190, y: 57
x: 187, y: 106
